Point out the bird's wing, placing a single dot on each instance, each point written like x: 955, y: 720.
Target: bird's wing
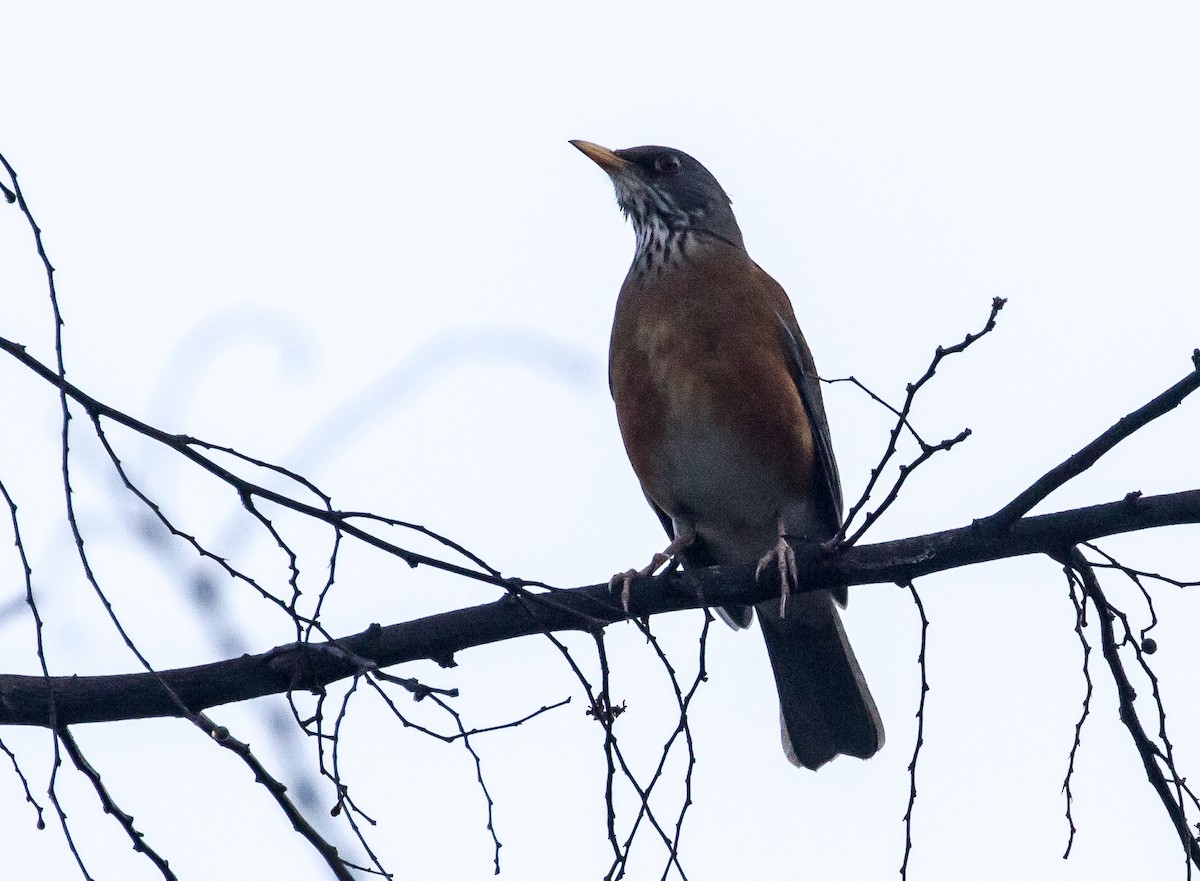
x: 804, y: 375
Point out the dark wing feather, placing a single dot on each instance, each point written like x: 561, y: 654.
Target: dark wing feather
x: 804, y: 374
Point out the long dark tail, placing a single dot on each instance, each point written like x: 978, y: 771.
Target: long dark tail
x: 825, y: 706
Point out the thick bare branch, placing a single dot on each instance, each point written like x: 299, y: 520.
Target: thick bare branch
x: 26, y: 700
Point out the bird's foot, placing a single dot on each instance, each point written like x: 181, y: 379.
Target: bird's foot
x: 684, y: 536
x: 784, y: 558
x: 625, y: 579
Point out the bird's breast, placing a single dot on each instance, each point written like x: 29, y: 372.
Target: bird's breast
x: 711, y: 419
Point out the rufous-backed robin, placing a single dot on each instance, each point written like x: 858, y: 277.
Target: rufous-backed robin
x: 720, y: 408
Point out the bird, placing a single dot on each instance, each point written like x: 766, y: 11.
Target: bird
x: 720, y: 410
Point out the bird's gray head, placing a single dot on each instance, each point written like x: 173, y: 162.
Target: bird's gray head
x: 665, y: 191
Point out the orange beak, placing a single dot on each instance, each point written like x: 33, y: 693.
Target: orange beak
x: 602, y: 156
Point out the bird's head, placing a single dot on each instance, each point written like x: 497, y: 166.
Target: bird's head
x: 665, y: 191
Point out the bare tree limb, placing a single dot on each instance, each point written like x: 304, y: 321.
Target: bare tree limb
x: 26, y: 700
x: 1090, y: 454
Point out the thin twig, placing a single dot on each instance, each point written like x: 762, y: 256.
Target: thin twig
x: 110, y: 805
x: 685, y: 729
x: 488, y: 729
x: 681, y: 728
x: 189, y: 448
x: 920, y: 741
x: 59, y: 376
x: 1079, y: 601
x: 189, y: 539
x: 27, y: 573
x: 465, y: 737
x: 346, y: 806
x: 12, y: 757
x: 902, y: 422
x: 603, y: 712
x: 1126, y: 695
x: 220, y: 734
x: 905, y: 471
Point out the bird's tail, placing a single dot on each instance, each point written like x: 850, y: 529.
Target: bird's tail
x: 825, y: 706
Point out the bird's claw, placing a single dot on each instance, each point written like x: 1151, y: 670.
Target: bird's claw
x: 625, y: 579
x: 784, y: 558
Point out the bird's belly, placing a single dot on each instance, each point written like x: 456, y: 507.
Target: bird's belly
x: 733, y: 498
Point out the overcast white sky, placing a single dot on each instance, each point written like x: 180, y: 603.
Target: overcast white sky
x: 353, y: 239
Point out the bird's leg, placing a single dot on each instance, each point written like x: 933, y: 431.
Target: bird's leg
x: 684, y: 536
x: 784, y: 557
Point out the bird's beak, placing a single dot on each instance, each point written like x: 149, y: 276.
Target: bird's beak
x: 602, y: 156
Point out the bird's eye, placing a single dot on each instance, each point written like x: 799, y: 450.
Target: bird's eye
x: 667, y: 163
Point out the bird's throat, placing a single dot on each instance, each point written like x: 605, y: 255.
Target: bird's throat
x: 658, y: 247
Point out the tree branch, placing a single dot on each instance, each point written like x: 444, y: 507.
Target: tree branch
x: 190, y: 448
x: 26, y: 700
x: 1126, y: 697
x: 1090, y: 454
